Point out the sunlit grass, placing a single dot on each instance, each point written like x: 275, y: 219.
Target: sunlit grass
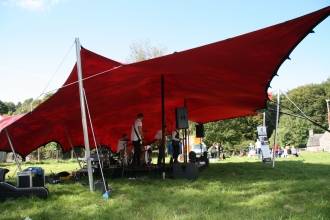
x: 237, y: 188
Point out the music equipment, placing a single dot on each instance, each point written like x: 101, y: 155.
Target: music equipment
x: 31, y: 177
x: 200, y: 131
x: 9, y: 191
x: 26, y: 180
x: 181, y: 118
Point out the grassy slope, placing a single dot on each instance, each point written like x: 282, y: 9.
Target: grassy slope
x: 239, y: 188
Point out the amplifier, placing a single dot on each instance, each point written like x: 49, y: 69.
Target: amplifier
x: 31, y: 177
x: 24, y: 179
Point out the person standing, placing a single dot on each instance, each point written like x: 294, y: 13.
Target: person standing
x: 137, y: 138
x: 176, y: 145
x: 294, y: 151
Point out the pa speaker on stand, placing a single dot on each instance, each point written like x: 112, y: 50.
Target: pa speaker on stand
x: 181, y: 118
x: 200, y: 131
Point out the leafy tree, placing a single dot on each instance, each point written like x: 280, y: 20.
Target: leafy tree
x: 11, y: 107
x: 3, y: 108
x: 24, y: 107
x: 270, y: 117
x: 233, y: 132
x: 49, y: 151
x: 311, y: 100
x: 143, y: 50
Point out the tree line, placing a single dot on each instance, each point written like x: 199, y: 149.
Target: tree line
x: 236, y: 134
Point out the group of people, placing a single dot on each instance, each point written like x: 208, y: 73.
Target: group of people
x: 216, y: 151
x: 255, y: 150
x: 141, y: 152
x: 286, y: 151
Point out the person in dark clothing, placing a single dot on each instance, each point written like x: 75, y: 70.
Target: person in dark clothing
x: 176, y: 145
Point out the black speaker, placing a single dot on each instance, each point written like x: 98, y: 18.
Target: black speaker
x: 200, y: 131
x: 181, y: 118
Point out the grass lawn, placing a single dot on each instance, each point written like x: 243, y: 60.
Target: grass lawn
x: 238, y: 188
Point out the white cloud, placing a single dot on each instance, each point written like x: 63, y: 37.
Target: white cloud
x: 32, y: 5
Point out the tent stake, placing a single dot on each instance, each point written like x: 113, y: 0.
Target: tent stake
x: 83, y: 116
x: 13, y: 150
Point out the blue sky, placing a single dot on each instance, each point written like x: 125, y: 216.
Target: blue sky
x: 36, y: 35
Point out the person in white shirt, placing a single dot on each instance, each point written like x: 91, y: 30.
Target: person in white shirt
x: 137, y: 138
x: 294, y: 151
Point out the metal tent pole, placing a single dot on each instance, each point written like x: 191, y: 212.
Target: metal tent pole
x: 13, y: 150
x: 328, y: 107
x: 83, y: 116
x: 163, y: 123
x: 276, y: 126
x: 185, y: 139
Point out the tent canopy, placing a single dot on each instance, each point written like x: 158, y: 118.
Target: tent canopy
x: 222, y: 80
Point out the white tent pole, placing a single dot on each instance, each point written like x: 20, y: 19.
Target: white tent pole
x: 276, y: 128
x: 13, y: 150
x: 328, y: 107
x: 264, y: 119
x: 83, y: 116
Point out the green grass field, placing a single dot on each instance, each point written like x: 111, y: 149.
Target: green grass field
x: 238, y: 188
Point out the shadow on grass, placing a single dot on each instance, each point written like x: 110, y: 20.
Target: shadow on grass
x: 294, y: 170
x: 246, y: 190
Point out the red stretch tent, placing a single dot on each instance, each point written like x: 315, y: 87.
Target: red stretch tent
x: 6, y: 120
x: 218, y: 81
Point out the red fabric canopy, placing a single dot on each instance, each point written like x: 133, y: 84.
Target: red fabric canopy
x: 218, y: 81
x: 6, y: 120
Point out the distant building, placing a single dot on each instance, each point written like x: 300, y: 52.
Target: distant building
x: 325, y: 141
x: 318, y: 142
